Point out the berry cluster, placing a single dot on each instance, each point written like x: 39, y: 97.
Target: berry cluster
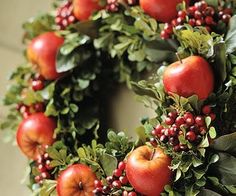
x: 192, y: 127
x: 200, y: 14
x: 114, y: 183
x: 113, y: 5
x: 43, y: 167
x: 37, y: 83
x: 65, y: 16
x: 26, y: 110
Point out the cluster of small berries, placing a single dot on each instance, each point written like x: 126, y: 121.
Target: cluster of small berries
x: 64, y: 15
x: 113, y: 5
x: 37, y: 84
x: 114, y: 183
x: 43, y: 167
x: 26, y: 110
x: 192, y: 127
x: 200, y: 14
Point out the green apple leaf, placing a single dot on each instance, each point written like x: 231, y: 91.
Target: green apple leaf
x: 225, y: 169
x: 109, y: 163
x: 225, y: 143
x: 230, y: 39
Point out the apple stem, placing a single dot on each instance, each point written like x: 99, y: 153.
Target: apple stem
x: 177, y: 54
x: 81, y: 186
x: 153, y: 153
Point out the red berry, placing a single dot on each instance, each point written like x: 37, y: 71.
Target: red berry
x: 164, y: 35
x: 26, y: 114
x: 116, y: 184
x: 164, y: 139
x: 191, y: 136
x: 173, y: 141
x: 39, y: 107
x: 41, y: 168
x: 172, y: 131
x: 177, y: 148
x: 47, y: 165
x: 182, y: 14
x: 197, y: 15
x: 209, y: 20
x: 125, y: 193
x: 169, y: 121
x: 37, y: 179
x: 132, y: 193
x: 121, y: 165
x: 190, y: 121
x: 203, y: 130
x: 174, y: 23
x: 179, y: 121
x: 39, y: 77
x: 46, y: 156
x: 153, y: 142
x: 123, y: 180
x: 45, y: 175
x: 106, y: 189
x: 192, y: 22
x: 200, y: 120
x: 213, y: 116
x: 173, y: 114
x: 37, y: 85
x: 97, y: 183
x: 226, y: 18
x: 209, y: 11
x: 168, y: 28
x: 180, y: 20
x: 188, y: 115
x: 109, y: 179
x: 199, y: 22
x: 191, y: 10
x: 117, y: 172
x: 206, y: 109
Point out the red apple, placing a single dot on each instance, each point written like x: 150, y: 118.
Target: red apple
x: 148, y: 170
x: 192, y: 75
x: 77, y: 180
x: 34, y: 133
x: 83, y: 9
x: 42, y: 51
x: 161, y: 10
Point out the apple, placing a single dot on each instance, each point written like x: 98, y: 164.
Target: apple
x: 161, y: 10
x: 42, y: 51
x: 76, y: 180
x: 147, y: 170
x: 83, y: 9
x: 190, y: 76
x: 34, y: 133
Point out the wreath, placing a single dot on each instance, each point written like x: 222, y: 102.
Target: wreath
x: 79, y: 53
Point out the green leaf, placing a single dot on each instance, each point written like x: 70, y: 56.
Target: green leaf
x: 219, y: 65
x: 109, y: 163
x: 225, y: 168
x: 207, y: 192
x: 230, y: 39
x: 225, y: 143
x: 49, y: 188
x: 212, y: 132
x: 208, y: 121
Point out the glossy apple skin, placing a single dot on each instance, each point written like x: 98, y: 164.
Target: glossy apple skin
x: 83, y: 9
x: 148, y: 171
x: 69, y: 181
x: 34, y: 133
x: 161, y: 10
x: 193, y: 76
x: 42, y: 51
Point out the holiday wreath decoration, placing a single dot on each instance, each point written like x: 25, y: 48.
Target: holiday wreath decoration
x: 77, y: 55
